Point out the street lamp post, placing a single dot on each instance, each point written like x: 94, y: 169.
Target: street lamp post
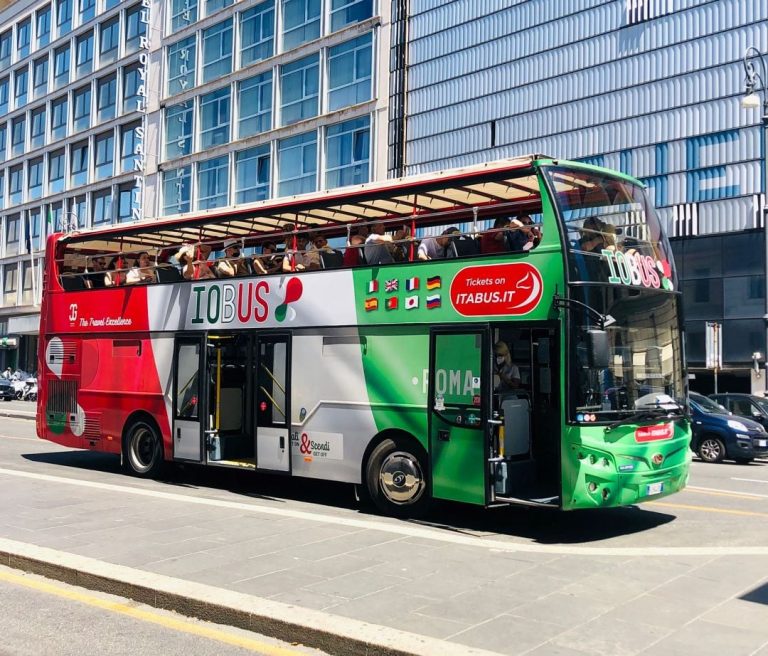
x: 755, y: 81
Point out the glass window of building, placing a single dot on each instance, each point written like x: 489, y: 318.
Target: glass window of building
x: 104, y: 155
x: 78, y: 216
x: 40, y: 77
x: 297, y: 164
x: 106, y: 98
x: 109, y: 4
x: 18, y: 135
x: 21, y: 82
x: 177, y: 190
x: 348, y: 153
x: 37, y: 128
x: 183, y: 13
x: 81, y: 108
x: 23, y: 37
x: 35, y: 178
x: 132, y: 101
x: 16, y: 186
x: 214, y: 118
x: 56, y: 213
x: 299, y: 84
x: 10, y: 282
x: 35, y: 226
x: 217, y: 51
x: 255, y: 98
x: 102, y: 207
x: 109, y: 40
x: 3, y: 142
x: 28, y: 271
x: 127, y: 200
x: 4, y: 96
x: 6, y: 47
x: 257, y: 33
x: 59, y: 118
x: 85, y: 54
x: 212, y: 6
x: 43, y: 26
x: 349, y: 72
x: 301, y: 22
x: 345, y: 12
x: 135, y: 28
x: 63, y: 17
x: 87, y: 10
x: 61, y: 60
x: 181, y: 65
x: 78, y: 168
x: 2, y: 189
x: 178, y: 129
x: 212, y: 183
x: 56, y: 171
x: 12, y: 236
x: 129, y: 143
x: 252, y: 174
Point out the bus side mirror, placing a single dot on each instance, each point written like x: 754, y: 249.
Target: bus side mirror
x: 598, y: 349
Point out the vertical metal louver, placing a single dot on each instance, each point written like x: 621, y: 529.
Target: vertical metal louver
x: 398, y: 65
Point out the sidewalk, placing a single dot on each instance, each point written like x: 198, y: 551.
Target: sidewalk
x: 350, y: 583
x: 18, y: 409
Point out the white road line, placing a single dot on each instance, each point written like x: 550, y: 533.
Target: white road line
x: 695, y: 488
x: 399, y: 528
x: 750, y: 480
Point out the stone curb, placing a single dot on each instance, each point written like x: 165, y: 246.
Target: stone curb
x: 330, y: 633
x: 18, y: 414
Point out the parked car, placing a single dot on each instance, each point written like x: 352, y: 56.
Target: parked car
x: 744, y: 405
x: 7, y: 393
x: 717, y: 434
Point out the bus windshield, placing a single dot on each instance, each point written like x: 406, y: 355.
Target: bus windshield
x: 645, y: 353
x: 613, y: 233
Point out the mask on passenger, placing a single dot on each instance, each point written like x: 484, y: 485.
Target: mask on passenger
x: 500, y: 359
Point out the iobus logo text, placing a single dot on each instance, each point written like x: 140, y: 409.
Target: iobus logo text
x: 227, y: 302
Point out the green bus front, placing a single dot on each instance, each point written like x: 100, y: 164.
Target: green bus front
x: 626, y: 434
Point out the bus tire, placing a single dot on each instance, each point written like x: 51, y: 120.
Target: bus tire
x: 396, y: 478
x: 143, y: 449
x: 711, y: 449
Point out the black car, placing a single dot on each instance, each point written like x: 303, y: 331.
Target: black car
x: 717, y: 434
x: 745, y: 405
x: 7, y: 392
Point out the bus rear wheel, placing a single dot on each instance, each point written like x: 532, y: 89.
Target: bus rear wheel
x: 396, y: 479
x: 143, y: 450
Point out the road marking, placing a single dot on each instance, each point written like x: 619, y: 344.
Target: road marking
x: 726, y: 493
x: 182, y: 626
x: 397, y: 527
x: 25, y: 439
x: 750, y: 480
x: 724, y: 511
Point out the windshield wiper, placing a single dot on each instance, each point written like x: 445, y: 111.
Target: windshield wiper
x: 646, y: 415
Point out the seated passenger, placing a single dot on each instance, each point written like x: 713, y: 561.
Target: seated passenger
x: 494, y: 240
x: 232, y: 265
x: 271, y: 261
x: 191, y: 268
x: 596, y: 236
x: 525, y: 237
x: 436, y: 248
x: 385, y: 249
x: 95, y: 277
x: 354, y: 251
x: 142, y: 271
x: 301, y: 258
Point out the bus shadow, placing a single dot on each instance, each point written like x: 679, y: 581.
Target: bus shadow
x: 540, y: 525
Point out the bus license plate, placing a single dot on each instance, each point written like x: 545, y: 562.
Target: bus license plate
x: 654, y: 488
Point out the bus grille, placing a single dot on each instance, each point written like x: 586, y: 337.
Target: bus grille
x: 62, y: 396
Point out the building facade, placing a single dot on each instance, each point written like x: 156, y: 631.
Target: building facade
x: 648, y: 87
x: 114, y: 111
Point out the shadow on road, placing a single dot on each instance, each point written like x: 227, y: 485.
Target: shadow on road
x: 543, y: 526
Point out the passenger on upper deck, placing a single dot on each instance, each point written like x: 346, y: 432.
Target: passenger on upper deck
x: 525, y: 237
x: 191, y: 268
x: 435, y: 248
x: 494, y: 240
x: 299, y: 259
x: 353, y: 252
x: 384, y: 249
x: 142, y: 271
x: 596, y: 235
x: 232, y: 265
x: 94, y: 278
x: 270, y: 260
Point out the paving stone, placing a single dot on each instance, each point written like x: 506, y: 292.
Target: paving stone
x: 610, y: 637
x: 708, y: 639
x: 507, y: 635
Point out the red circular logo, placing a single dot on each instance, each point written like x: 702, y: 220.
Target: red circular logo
x: 513, y: 288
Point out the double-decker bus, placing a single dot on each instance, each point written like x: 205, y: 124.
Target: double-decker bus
x: 535, y: 357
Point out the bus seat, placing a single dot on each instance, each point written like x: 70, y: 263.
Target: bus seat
x: 73, y: 283
x: 463, y: 246
x: 168, y: 273
x: 331, y: 259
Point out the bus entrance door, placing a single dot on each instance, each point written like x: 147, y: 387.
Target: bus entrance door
x: 187, y: 410
x: 458, y: 433
x: 272, y: 401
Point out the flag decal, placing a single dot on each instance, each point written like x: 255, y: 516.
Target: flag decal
x: 433, y: 301
x: 391, y: 286
x: 392, y: 303
x: 412, y: 284
x: 411, y: 302
x: 373, y: 286
x: 371, y: 304
x: 435, y: 282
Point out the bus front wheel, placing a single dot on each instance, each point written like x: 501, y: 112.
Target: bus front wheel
x: 396, y: 479
x: 143, y: 450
